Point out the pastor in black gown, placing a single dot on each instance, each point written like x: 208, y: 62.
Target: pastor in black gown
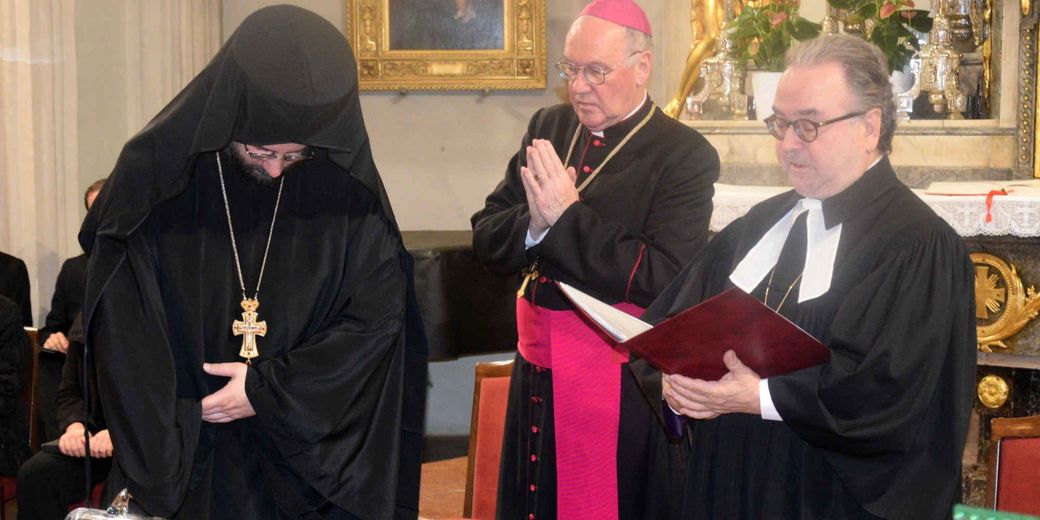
x: 645, y: 213
x: 339, y: 386
x: 877, y: 431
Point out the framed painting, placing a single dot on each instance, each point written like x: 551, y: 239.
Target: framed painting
x: 408, y: 45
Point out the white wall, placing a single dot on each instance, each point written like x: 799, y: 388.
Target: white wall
x: 101, y: 56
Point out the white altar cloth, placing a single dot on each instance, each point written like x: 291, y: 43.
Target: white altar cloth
x: 1011, y: 215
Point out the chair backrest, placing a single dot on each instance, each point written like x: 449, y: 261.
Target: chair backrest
x: 1014, y: 465
x: 487, y: 425
x: 31, y: 387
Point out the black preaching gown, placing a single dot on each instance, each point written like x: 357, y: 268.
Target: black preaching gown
x: 644, y: 215
x: 333, y: 297
x: 878, y: 431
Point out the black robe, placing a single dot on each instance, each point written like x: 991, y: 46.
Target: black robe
x: 14, y: 430
x: 14, y: 284
x: 878, y: 430
x: 68, y: 297
x: 638, y: 221
x: 65, y: 305
x: 339, y: 387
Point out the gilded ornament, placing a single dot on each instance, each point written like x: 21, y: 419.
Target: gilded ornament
x: 993, y: 391
x: 519, y: 64
x: 1003, y: 306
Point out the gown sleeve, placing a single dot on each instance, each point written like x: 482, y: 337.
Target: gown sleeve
x: 500, y: 228
x: 61, y: 314
x: 333, y: 403
x: 157, y: 430
x: 324, y: 385
x: 703, y: 277
x: 635, y: 264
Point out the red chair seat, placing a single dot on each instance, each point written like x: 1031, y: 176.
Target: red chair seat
x: 1019, y: 475
x: 10, y: 486
x: 490, y: 398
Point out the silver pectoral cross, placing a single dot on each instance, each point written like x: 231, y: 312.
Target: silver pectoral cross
x: 249, y: 329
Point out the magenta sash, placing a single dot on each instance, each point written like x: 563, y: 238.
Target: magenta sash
x: 586, y: 376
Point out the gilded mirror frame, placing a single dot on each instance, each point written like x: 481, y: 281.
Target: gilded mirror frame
x: 519, y: 64
x: 1029, y: 90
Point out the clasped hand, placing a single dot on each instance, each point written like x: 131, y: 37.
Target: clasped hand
x: 548, y: 184
x: 57, y: 342
x: 735, y: 392
x: 229, y: 403
x: 73, y: 442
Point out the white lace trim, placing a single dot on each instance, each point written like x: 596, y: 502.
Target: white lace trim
x: 1011, y: 215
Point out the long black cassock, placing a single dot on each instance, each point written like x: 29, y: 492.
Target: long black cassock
x: 878, y: 430
x: 339, y: 386
x: 644, y: 215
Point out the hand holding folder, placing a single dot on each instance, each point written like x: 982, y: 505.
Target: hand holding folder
x: 692, y: 342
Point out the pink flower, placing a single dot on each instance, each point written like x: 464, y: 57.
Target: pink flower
x: 907, y: 3
x: 887, y: 10
x: 777, y: 18
x: 908, y: 14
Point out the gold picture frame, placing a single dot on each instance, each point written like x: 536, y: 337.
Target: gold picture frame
x: 413, y: 45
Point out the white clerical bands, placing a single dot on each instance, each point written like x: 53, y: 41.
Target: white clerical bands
x: 821, y: 248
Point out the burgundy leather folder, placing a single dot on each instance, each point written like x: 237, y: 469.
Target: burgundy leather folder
x: 692, y: 342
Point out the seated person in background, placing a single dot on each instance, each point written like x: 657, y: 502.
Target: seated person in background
x: 853, y: 257
x: 53, y: 479
x: 14, y: 284
x: 14, y: 431
x: 65, y: 306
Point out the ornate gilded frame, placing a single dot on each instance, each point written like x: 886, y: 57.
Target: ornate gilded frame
x: 1029, y: 88
x: 520, y: 64
x: 1029, y: 91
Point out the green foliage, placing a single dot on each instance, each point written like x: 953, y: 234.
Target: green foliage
x: 763, y: 33
x: 888, y: 25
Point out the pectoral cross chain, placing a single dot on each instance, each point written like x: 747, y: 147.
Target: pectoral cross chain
x: 249, y: 329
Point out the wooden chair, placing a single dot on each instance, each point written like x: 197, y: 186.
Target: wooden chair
x: 30, y: 396
x: 1014, y: 465
x: 487, y: 425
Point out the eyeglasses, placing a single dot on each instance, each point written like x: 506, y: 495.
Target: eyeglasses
x: 806, y: 130
x: 594, y: 74
x: 267, y: 155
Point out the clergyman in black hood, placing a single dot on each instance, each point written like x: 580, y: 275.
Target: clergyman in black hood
x: 247, y: 222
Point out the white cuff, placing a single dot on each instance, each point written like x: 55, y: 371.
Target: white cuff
x: 676, y: 412
x: 765, y: 402
x: 531, y: 241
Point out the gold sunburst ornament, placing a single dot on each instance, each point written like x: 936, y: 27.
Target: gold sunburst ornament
x: 1003, y: 306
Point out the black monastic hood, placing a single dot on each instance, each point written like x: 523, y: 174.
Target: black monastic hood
x: 286, y: 75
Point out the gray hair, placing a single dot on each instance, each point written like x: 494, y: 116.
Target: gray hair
x: 638, y: 41
x: 866, y: 74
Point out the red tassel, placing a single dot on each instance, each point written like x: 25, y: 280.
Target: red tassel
x: 989, y: 203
